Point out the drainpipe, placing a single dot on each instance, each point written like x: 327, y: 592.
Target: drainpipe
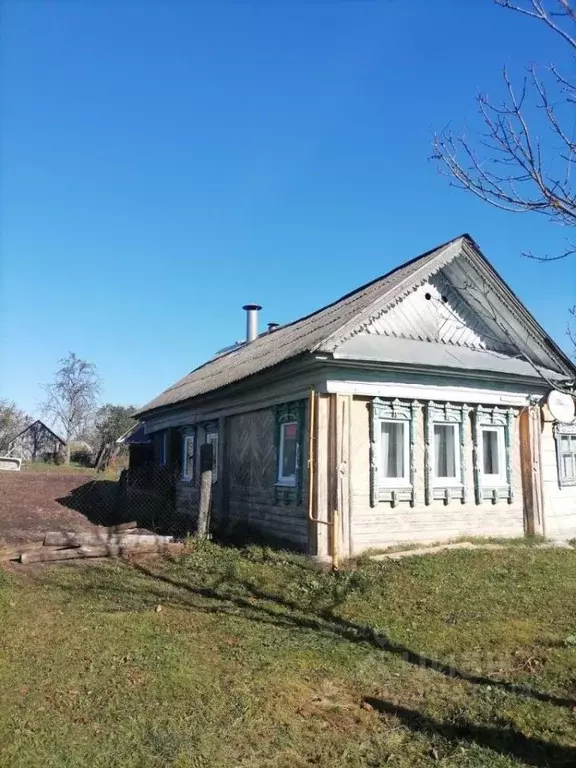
x: 332, y: 523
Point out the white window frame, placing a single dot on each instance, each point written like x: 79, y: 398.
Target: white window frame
x: 394, y: 482
x: 212, y: 439
x: 456, y: 480
x: 287, y: 480
x: 563, y: 431
x: 394, y: 490
x: 185, y: 438
x: 499, y: 480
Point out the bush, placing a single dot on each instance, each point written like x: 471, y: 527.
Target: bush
x: 82, y: 457
x: 51, y: 457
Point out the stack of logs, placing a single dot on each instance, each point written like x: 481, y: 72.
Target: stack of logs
x: 102, y: 542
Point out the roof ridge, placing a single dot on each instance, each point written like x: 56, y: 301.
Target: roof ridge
x: 407, y: 284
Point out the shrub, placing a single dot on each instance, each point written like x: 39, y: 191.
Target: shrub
x: 82, y: 457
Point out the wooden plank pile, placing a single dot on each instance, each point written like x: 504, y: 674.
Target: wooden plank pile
x: 120, y: 540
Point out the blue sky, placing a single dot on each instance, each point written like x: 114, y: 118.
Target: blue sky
x: 164, y: 163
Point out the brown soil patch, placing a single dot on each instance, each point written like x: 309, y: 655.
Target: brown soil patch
x: 32, y: 503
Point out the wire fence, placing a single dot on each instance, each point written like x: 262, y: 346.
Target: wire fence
x: 146, y: 495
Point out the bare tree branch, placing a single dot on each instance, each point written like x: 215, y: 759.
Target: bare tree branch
x: 510, y: 165
x: 518, y: 162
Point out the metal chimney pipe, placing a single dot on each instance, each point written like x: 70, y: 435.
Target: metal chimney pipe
x: 251, y: 321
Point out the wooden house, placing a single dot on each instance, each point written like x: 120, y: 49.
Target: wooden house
x: 36, y: 442
x: 411, y: 410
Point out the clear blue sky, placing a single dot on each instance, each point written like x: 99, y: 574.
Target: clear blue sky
x: 164, y: 163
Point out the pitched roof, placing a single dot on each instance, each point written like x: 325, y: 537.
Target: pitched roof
x: 321, y: 331
x: 38, y: 421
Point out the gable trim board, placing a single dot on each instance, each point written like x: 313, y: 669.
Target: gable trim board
x: 327, y: 329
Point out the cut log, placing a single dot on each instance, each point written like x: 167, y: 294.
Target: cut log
x: 95, y: 538
x: 113, y: 550
x: 13, y: 553
x: 45, y: 555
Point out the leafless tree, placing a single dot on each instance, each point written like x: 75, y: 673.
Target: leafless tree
x: 12, y: 422
x: 72, y: 397
x: 525, y: 156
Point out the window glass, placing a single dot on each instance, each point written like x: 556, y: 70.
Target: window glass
x: 566, y: 456
x: 445, y: 451
x: 490, y: 452
x: 288, y: 452
x: 188, y: 458
x: 392, y: 449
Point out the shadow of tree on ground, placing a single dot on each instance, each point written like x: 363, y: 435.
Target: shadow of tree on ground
x: 230, y: 594
x: 502, y: 738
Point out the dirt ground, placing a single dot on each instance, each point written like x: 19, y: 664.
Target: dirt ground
x: 32, y: 503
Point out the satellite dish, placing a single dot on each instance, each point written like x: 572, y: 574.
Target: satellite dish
x: 561, y: 406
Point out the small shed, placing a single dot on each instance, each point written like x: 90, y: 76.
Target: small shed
x: 141, y: 449
x: 36, y: 442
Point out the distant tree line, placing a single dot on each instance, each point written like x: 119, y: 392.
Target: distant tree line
x: 71, y: 408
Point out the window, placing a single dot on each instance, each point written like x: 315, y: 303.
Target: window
x: 394, y: 453
x: 188, y: 454
x: 288, y: 437
x: 492, y: 450
x: 445, y: 434
x: 493, y: 435
x: 392, y: 465
x: 566, y: 453
x: 288, y: 453
x: 446, y: 457
x: 212, y: 439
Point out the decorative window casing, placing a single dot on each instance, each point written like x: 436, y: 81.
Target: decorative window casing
x: 493, y: 431
x: 289, y: 441
x: 565, y: 435
x: 189, y: 456
x: 392, y: 451
x: 445, y: 452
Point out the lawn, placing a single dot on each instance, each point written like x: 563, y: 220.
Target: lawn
x: 243, y: 658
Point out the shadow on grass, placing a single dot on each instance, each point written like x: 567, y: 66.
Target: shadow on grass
x: 503, y: 739
x: 231, y: 595
x: 223, y: 598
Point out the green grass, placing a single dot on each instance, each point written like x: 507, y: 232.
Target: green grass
x: 256, y: 659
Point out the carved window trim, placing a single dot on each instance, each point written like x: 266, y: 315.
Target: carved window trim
x: 392, y: 410
x: 189, y: 434
x: 502, y: 418
x: 560, y: 431
x: 445, y: 413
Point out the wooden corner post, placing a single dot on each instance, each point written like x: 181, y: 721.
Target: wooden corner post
x: 206, y: 466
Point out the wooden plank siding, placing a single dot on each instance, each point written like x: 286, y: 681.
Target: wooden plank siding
x: 250, y: 476
x: 385, y: 525
x: 559, y: 502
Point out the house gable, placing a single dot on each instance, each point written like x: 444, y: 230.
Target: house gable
x: 435, y: 311
x: 460, y: 302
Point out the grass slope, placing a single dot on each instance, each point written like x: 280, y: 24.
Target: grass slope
x: 255, y: 659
